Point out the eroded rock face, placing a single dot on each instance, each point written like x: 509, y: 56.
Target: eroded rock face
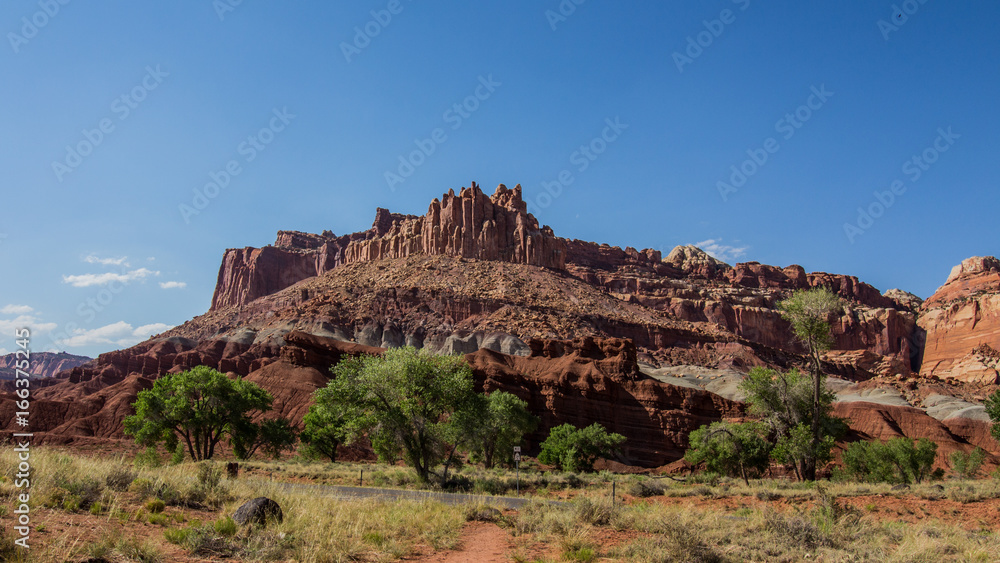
x: 695, y: 262
x: 871, y: 421
x: 470, y: 225
x: 589, y: 380
x: 961, y: 316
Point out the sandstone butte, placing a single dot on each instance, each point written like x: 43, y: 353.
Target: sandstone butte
x: 650, y: 347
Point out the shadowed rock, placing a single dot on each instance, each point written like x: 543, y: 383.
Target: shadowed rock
x: 257, y: 511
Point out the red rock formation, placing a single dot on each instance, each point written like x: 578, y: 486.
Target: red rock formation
x: 469, y: 225
x: 695, y: 262
x: 596, y: 380
x: 963, y: 314
x: 871, y: 421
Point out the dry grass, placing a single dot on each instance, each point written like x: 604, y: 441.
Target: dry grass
x: 182, y: 513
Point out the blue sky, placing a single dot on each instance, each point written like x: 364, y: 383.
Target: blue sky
x: 116, y: 113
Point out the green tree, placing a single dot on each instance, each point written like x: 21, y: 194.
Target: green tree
x: 199, y: 406
x: 784, y: 401
x: 967, y: 465
x: 575, y: 449
x: 325, y: 426
x: 503, y: 423
x: 405, y: 401
x: 731, y: 449
x: 992, y: 404
x: 809, y: 312
x: 271, y: 436
x: 900, y: 460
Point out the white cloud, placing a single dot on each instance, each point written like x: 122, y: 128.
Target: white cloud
x: 107, y: 261
x: 173, y: 285
x: 719, y: 251
x: 8, y: 326
x: 4, y: 352
x: 87, y: 280
x: 16, y: 310
x: 151, y: 329
x: 120, y: 334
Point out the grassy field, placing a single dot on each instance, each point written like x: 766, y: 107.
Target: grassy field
x: 88, y: 508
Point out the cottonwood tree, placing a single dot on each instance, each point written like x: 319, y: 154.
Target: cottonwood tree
x: 809, y: 312
x: 325, y: 426
x: 407, y: 402
x: 271, y: 436
x: 784, y: 402
x: 501, y: 422
x: 575, y: 449
x: 198, y: 407
x: 992, y: 404
x: 731, y: 449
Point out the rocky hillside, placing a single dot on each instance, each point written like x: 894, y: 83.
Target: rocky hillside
x: 650, y: 346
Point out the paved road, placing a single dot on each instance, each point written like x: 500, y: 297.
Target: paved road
x: 345, y: 493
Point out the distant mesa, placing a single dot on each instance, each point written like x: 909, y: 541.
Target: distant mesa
x: 42, y: 364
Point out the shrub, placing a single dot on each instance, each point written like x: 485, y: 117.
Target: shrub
x: 737, y: 450
x: 177, y: 457
x: 967, y: 465
x: 597, y: 512
x: 155, y: 505
x: 209, y: 475
x: 573, y: 449
x: 645, y: 489
x: 141, y: 486
x: 899, y: 460
x: 80, y: 493
x: 119, y: 479
x: 150, y: 457
x: 225, y: 526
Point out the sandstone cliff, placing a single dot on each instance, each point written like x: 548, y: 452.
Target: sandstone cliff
x: 961, y: 324
x: 469, y: 225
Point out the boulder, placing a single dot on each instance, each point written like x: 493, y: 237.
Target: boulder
x: 258, y: 511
